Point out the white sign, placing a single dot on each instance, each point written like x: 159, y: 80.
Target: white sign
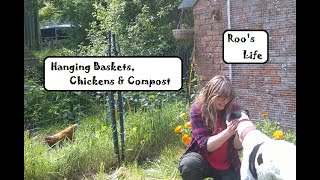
x: 245, y: 46
x: 112, y: 73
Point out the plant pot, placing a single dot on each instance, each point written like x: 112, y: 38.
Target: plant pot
x: 182, y: 34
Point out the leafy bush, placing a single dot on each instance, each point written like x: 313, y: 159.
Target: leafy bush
x: 272, y: 129
x: 44, y: 108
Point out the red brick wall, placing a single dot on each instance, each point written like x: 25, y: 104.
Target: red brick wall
x: 262, y: 88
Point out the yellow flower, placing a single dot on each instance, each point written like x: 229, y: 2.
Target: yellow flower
x: 187, y: 125
x: 182, y: 115
x: 178, y: 129
x: 264, y: 115
x: 184, y: 137
x: 278, y: 134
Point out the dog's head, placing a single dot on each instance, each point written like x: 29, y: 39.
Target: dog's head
x: 233, y: 115
x: 236, y: 114
x: 245, y: 125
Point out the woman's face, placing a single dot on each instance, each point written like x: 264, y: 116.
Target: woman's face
x: 221, y: 102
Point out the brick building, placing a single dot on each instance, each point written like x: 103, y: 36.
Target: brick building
x: 262, y: 88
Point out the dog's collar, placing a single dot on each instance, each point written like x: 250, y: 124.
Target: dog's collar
x: 243, y: 120
x: 246, y: 130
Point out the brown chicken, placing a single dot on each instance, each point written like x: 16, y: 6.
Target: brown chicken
x: 66, y: 134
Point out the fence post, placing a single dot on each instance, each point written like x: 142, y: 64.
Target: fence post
x: 112, y: 108
x: 121, y: 124
x: 119, y: 104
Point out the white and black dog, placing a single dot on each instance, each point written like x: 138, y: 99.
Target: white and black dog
x: 263, y: 158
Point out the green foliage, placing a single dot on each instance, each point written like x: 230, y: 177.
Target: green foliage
x: 76, y: 12
x: 141, y: 27
x: 290, y: 136
x: 30, y: 6
x: 91, y: 148
x: 142, y: 101
x: 48, y: 13
x: 46, y: 108
x: 50, y: 106
x: 147, y: 134
x: 35, y: 160
x: 35, y: 73
x: 45, y: 52
x: 269, y: 127
x: 155, y: 128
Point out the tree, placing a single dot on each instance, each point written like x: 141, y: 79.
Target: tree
x: 76, y: 12
x: 31, y: 24
x: 142, y: 27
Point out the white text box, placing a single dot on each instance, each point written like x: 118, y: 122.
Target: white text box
x: 245, y: 46
x: 113, y: 73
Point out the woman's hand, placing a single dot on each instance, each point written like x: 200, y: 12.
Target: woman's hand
x: 237, y: 143
x: 232, y: 126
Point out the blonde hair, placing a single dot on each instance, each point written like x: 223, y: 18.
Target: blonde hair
x: 218, y: 86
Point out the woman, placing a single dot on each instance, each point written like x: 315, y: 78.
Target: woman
x: 213, y: 150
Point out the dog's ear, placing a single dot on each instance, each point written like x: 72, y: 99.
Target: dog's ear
x: 233, y: 115
x: 246, y: 111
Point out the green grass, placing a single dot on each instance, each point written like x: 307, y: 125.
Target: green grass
x: 152, y: 149
x: 91, y: 154
x: 165, y: 166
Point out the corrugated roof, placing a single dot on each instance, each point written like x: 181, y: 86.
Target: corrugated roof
x: 187, y: 4
x: 56, y: 26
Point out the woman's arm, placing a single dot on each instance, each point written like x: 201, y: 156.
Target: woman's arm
x: 215, y: 141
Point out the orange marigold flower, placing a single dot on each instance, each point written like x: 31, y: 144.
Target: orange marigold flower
x: 184, y: 137
x: 187, y: 125
x: 187, y: 141
x: 178, y: 129
x: 278, y: 134
x: 182, y: 115
x: 264, y: 115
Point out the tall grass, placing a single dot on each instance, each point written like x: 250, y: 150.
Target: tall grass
x: 147, y: 134
x: 164, y: 167
x: 152, y: 149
